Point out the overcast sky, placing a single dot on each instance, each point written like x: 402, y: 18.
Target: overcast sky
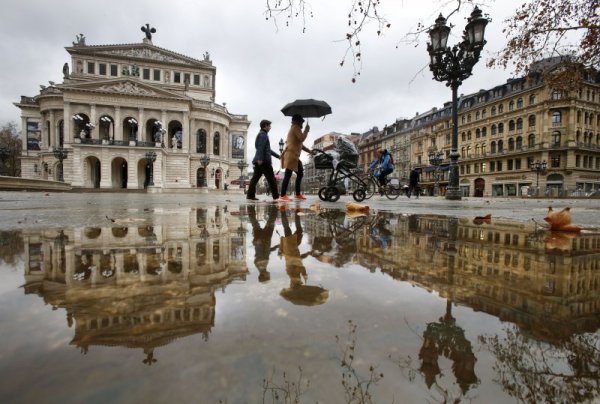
x: 259, y: 68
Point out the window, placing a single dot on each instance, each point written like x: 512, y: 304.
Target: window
x: 517, y: 164
x: 493, y: 147
x: 186, y: 78
x: 201, y: 141
x: 556, y: 117
x: 494, y: 129
x: 511, y: 144
x: 102, y: 69
x: 500, y: 146
x: 196, y: 79
x: 519, y: 143
x: 156, y: 74
x: 477, y: 115
x: 511, y: 105
x: 499, y: 165
x: 531, y: 121
x: 146, y: 74
x: 500, y: 108
x: 114, y: 70
x: 91, y: 68
x: 492, y: 166
x: 216, y: 144
x: 469, y: 118
x: 493, y: 110
x: 519, y: 124
x: 464, y: 137
x: 483, y: 113
x: 531, y: 141
x: 578, y: 116
x: 477, y: 133
x: 483, y: 132
x: 511, y: 125
x: 509, y: 165
x: 557, y: 95
x: 177, y: 77
x: 520, y: 103
x: 532, y: 99
x: 468, y: 135
x: 555, y: 160
x: 556, y: 138
x: 463, y: 119
x: 500, y: 128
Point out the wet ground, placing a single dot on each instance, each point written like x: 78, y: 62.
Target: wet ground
x: 205, y: 298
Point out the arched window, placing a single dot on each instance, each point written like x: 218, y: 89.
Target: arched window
x: 578, y: 136
x: 532, y: 99
x: 201, y: 141
x: 477, y: 115
x: 477, y: 150
x: 511, y: 144
x: 217, y: 144
x: 578, y: 116
x: 483, y: 113
x: 500, y: 108
x: 556, y: 117
x: 500, y: 146
x: 483, y: 147
x: 531, y: 120
x: 500, y: 127
x: 477, y: 133
x: 494, y: 129
x: 493, y: 110
x: 493, y: 147
x: 511, y: 125
x: 469, y: 118
x: 511, y: 105
x: 556, y: 138
x: 462, y: 151
x: 464, y: 137
x: 520, y: 103
x: 519, y: 123
x: 468, y: 151
x: 468, y: 135
x: 519, y: 143
x: 531, y: 141
x: 483, y: 132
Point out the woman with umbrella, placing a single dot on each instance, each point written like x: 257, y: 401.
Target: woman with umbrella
x: 290, y: 157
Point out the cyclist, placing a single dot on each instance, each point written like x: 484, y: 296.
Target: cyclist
x: 386, y: 166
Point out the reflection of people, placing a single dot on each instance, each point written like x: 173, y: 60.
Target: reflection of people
x: 380, y: 235
x: 262, y: 162
x: 290, y: 158
x: 413, y: 183
x: 385, y: 166
x: 261, y: 239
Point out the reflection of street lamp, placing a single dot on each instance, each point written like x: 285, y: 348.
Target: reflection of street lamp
x: 60, y: 155
x: 539, y: 167
x: 241, y: 165
x: 151, y: 156
x: 454, y: 65
x: 435, y: 159
x: 205, y: 161
x: 281, y: 144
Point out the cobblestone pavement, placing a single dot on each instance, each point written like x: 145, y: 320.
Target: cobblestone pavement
x: 48, y: 209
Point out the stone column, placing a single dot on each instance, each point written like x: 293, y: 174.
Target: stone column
x: 53, y: 131
x: 141, y: 135
x: 24, y: 135
x: 94, y: 122
x: 186, y: 131
x: 118, y: 125
x: 67, y: 123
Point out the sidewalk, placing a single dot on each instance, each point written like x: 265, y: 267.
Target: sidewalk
x: 43, y: 209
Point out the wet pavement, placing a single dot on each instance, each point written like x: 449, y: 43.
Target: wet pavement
x: 206, y: 298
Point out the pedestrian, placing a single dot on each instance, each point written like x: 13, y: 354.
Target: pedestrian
x: 413, y: 183
x: 261, y: 240
x: 262, y: 163
x: 290, y: 158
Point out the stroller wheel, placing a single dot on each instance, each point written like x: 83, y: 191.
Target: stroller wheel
x: 331, y: 194
x: 359, y: 195
x: 322, y: 194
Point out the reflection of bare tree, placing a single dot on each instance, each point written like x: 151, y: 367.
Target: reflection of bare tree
x: 11, y: 246
x: 533, y: 371
x: 287, y: 391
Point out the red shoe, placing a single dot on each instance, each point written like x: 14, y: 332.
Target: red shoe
x: 300, y: 196
x: 284, y: 198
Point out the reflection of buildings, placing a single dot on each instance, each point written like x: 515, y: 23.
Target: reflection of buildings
x: 547, y: 283
x: 137, y: 286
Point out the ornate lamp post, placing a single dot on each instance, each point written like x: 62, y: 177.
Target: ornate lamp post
x: 151, y: 156
x: 539, y: 167
x: 205, y: 161
x: 241, y: 165
x: 453, y: 66
x: 60, y: 155
x: 435, y: 159
x: 281, y: 144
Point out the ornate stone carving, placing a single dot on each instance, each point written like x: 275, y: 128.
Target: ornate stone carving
x: 145, y: 53
x: 127, y: 88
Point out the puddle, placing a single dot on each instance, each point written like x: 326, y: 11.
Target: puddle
x: 251, y: 302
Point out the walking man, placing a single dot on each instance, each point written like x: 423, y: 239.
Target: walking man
x: 413, y: 181
x: 262, y: 163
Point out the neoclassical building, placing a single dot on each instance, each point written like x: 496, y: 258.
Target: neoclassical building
x: 121, y: 106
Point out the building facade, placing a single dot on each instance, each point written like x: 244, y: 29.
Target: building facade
x: 132, y: 116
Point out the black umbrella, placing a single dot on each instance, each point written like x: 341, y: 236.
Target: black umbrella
x: 307, y: 108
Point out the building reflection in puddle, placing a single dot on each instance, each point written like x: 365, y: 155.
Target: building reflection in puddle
x: 144, y: 286
x: 137, y: 287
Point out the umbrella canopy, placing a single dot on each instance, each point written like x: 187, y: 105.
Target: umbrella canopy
x: 307, y: 108
x: 305, y: 295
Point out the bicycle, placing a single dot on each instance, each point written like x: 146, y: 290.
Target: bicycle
x: 390, y: 191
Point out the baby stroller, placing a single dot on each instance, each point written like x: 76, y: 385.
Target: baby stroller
x: 343, y: 164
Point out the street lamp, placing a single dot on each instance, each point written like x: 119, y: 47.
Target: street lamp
x: 281, y: 144
x: 453, y: 66
x: 539, y: 167
x: 241, y: 165
x: 60, y: 155
x: 151, y: 156
x: 205, y: 161
x: 435, y: 159
x: 161, y: 132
